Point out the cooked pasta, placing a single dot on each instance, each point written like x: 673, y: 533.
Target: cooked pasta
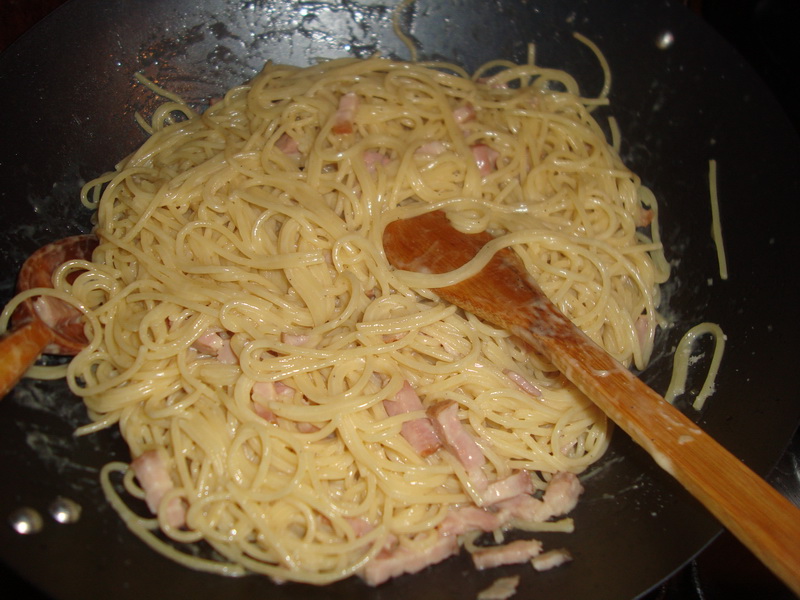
x: 249, y: 338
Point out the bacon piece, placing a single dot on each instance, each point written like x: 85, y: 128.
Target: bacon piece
x: 405, y: 400
x: 288, y: 145
x: 210, y: 342
x: 458, y: 440
x: 215, y: 342
x: 485, y: 157
x: 514, y: 485
x: 513, y: 553
x: 307, y: 427
x: 420, y: 433
x: 523, y: 508
x: 372, y: 159
x: 560, y: 497
x: 345, y: 113
x: 522, y: 383
x: 642, y: 328
x: 268, y: 391
x: 469, y: 518
x: 562, y: 493
x: 464, y: 113
x: 153, y: 476
x: 551, y: 559
x: 264, y: 412
x: 644, y: 217
x: 501, y: 589
x: 432, y: 148
x: 264, y: 392
x: 403, y: 560
x: 226, y: 354
x: 360, y: 525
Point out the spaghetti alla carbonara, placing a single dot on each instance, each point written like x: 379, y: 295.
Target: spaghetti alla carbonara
x: 291, y: 401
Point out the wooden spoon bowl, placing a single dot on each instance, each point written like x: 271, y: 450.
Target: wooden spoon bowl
x: 60, y: 330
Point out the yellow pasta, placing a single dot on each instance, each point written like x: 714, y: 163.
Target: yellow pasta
x: 244, y: 323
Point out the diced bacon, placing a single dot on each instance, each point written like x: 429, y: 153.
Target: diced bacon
x: 268, y: 391
x: 464, y: 113
x: 226, y: 354
x: 485, y: 157
x: 562, y: 493
x: 422, y: 436
x: 644, y: 217
x: 360, y: 525
x: 403, y: 560
x: 469, y: 518
x: 307, y: 428
x: 420, y: 433
x: 642, y: 328
x: 513, y: 553
x: 433, y: 148
x: 264, y: 412
x: 458, y: 440
x: 216, y: 342
x: 522, y: 383
x: 560, y: 497
x: 522, y: 508
x: 373, y: 158
x: 406, y: 400
x: 509, y: 487
x: 346, y: 113
x: 153, y: 476
x: 283, y: 391
x: 288, y: 145
x: 501, y: 589
x: 210, y: 343
x: 551, y: 559
x: 264, y: 392
x: 300, y: 340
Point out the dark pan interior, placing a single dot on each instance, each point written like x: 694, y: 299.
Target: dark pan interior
x: 69, y: 98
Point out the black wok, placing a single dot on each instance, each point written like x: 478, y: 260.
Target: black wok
x: 68, y: 103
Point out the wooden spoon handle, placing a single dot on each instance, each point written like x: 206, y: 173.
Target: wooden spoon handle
x: 505, y: 295
x: 18, y: 349
x: 761, y: 518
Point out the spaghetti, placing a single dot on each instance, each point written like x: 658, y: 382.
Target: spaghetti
x: 250, y: 341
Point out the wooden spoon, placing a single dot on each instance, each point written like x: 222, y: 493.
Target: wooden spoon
x: 60, y: 331
x: 505, y: 295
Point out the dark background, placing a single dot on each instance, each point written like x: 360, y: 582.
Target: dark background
x: 764, y: 33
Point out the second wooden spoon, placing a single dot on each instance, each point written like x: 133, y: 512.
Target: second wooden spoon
x: 58, y: 332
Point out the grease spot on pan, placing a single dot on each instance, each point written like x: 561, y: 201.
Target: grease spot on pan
x: 26, y: 521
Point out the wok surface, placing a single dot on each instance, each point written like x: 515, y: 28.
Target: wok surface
x: 71, y: 118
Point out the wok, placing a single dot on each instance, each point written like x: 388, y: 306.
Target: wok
x: 69, y: 102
